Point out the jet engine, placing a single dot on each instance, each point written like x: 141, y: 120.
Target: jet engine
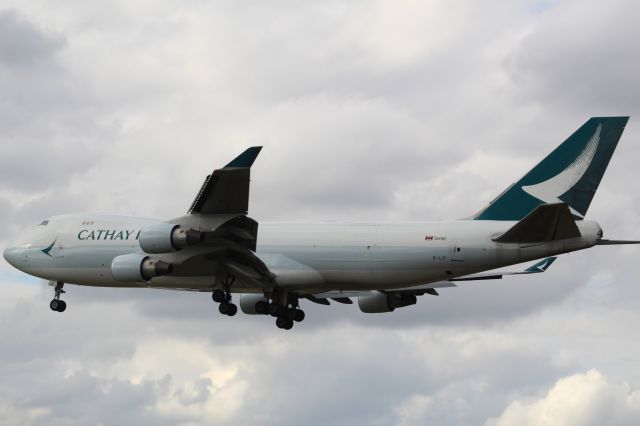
x: 379, y: 302
x: 136, y: 268
x: 254, y: 304
x: 166, y: 237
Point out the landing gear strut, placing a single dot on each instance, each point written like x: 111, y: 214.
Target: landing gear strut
x: 56, y: 304
x: 224, y: 297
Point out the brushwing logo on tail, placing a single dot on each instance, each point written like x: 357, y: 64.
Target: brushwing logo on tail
x: 551, y: 189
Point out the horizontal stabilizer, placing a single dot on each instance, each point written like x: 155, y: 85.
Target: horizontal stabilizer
x: 540, y: 266
x: 537, y: 268
x: 616, y: 242
x: 547, y: 222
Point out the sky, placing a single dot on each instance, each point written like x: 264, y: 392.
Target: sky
x: 367, y: 110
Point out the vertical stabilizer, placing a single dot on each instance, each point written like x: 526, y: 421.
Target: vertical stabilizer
x: 570, y: 174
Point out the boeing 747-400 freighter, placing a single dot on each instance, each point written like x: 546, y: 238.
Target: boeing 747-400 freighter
x: 217, y: 248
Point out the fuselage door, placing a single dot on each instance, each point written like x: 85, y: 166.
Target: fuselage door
x: 457, y: 252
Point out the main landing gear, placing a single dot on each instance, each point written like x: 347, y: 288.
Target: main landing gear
x: 224, y: 298
x: 284, y: 307
x: 286, y: 310
x: 56, y: 304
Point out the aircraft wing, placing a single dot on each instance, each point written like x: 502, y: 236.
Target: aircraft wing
x: 227, y: 250
x: 229, y: 236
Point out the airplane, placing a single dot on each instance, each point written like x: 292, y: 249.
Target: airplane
x: 217, y: 248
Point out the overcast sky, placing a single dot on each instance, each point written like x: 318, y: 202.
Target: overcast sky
x: 367, y: 110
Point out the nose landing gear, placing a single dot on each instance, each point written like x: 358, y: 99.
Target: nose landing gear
x: 56, y: 304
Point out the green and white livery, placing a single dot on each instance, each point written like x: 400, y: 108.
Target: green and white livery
x: 217, y: 248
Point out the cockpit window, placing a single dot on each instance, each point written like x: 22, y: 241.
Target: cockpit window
x: 44, y: 223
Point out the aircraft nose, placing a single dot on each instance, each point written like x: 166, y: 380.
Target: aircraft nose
x: 16, y: 256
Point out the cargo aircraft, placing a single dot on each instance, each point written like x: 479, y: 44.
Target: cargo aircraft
x: 217, y: 248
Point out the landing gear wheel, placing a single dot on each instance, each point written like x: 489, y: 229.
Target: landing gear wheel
x: 232, y: 309
x: 299, y: 315
x: 218, y: 296
x: 58, y: 305
x: 284, y: 323
x: 228, y: 309
x: 223, y: 308
x: 274, y: 310
x: 290, y: 314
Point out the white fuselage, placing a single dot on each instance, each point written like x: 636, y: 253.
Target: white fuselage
x: 310, y: 257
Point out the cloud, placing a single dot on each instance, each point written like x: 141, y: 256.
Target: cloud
x: 22, y: 43
x: 369, y: 110
x: 581, y: 399
x: 587, y: 69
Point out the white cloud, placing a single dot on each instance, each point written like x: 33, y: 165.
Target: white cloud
x: 367, y: 110
x: 581, y: 399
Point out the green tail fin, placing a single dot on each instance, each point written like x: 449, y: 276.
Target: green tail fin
x: 570, y: 174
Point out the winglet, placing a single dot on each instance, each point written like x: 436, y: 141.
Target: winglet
x: 541, y: 266
x: 245, y: 159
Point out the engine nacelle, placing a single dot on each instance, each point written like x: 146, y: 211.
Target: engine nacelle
x: 379, y: 302
x: 136, y: 268
x: 249, y: 302
x: 166, y: 237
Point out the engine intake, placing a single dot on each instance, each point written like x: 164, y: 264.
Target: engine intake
x: 137, y: 268
x: 166, y: 237
x: 379, y: 302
